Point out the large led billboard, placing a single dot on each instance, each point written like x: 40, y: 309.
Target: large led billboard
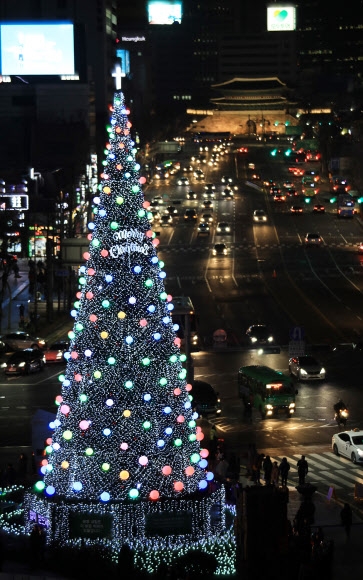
x: 124, y: 56
x: 281, y: 18
x: 164, y: 12
x: 37, y: 48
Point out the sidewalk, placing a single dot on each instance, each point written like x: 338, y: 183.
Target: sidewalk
x: 19, y: 294
x: 347, y: 556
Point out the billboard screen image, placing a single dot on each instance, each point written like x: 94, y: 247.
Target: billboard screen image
x: 37, y: 49
x: 164, y: 12
x: 281, y: 18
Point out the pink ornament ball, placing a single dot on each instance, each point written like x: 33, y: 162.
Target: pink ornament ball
x: 78, y: 377
x: 104, y: 253
x: 143, y: 322
x: 154, y: 495
x: 178, y: 485
x: 143, y: 460
x: 180, y: 419
x: 93, y: 317
x: 189, y: 470
x: 204, y: 453
x: 65, y: 409
x: 166, y: 470
x: 86, y: 255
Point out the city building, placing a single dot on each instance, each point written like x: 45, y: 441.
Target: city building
x: 54, y: 118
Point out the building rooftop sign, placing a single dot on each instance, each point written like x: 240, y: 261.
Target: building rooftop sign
x: 281, y: 18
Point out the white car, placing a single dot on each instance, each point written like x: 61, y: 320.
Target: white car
x: 183, y: 181
x: 20, y: 340
x: 223, y: 228
x: 348, y: 444
x: 259, y: 215
x: 306, y: 368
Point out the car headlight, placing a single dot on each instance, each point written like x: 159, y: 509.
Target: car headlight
x: 253, y: 339
x: 360, y: 452
x: 22, y: 364
x: 292, y: 406
x: 302, y: 372
x: 322, y: 371
x: 270, y: 339
x: 4, y: 365
x: 264, y: 219
x: 41, y: 342
x: 269, y: 407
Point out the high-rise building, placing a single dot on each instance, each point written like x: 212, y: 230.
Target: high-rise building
x: 59, y: 120
x: 218, y: 40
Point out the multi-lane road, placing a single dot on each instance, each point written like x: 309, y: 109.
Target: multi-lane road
x: 269, y: 276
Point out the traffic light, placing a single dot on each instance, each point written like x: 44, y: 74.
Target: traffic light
x: 273, y: 152
x: 307, y: 199
x: 288, y: 152
x: 333, y: 199
x: 360, y: 200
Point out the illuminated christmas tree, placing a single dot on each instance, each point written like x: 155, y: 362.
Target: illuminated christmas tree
x: 124, y: 464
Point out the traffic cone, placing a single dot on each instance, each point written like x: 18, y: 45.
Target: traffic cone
x: 274, y: 275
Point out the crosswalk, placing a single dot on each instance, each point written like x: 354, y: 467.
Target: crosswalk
x: 325, y: 469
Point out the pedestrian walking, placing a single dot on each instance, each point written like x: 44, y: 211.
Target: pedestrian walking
x: 34, y: 464
x: 21, y: 315
x: 16, y: 269
x: 275, y: 474
x: 10, y: 475
x: 125, y: 562
x: 302, y: 469
x: 213, y: 440
x: 32, y: 277
x: 267, y: 469
x: 22, y: 468
x: 256, y: 469
x: 221, y: 469
x: 37, y: 545
x: 251, y: 458
x: 346, y: 517
x: 4, y: 280
x: 284, y: 469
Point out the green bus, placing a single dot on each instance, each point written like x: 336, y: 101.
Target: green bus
x: 269, y: 391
